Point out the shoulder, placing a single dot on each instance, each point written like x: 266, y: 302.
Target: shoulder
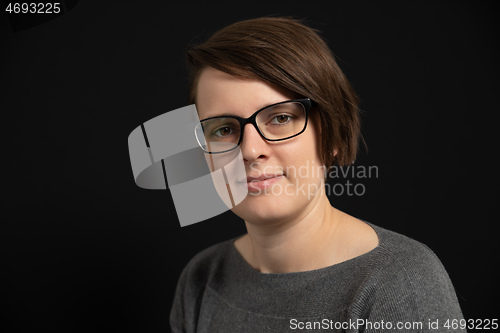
x: 406, y: 253
x: 407, y: 258
x: 207, y: 262
x: 192, y: 284
x: 408, y: 280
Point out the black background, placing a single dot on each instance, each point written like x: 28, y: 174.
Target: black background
x: 85, y: 250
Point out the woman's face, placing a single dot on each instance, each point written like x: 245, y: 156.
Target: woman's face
x: 283, y: 177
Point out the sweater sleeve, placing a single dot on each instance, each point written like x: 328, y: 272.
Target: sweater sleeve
x: 411, y: 293
x: 189, y: 292
x: 177, y: 313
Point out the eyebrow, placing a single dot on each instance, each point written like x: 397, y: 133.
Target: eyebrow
x: 226, y: 114
x: 219, y: 115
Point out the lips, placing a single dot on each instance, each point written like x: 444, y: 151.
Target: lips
x: 258, y: 183
x: 262, y: 177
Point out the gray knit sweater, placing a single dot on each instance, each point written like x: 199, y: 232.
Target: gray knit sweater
x: 400, y: 286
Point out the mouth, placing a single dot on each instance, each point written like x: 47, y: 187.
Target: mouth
x: 262, y: 182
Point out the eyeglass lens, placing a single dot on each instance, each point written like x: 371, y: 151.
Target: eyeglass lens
x: 276, y: 122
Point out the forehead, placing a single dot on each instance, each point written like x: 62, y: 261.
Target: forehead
x: 220, y: 93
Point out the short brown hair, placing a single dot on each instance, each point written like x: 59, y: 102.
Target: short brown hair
x: 285, y: 52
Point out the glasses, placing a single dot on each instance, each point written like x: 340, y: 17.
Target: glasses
x: 276, y: 122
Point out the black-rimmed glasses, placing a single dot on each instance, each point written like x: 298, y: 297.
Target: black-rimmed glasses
x: 276, y: 122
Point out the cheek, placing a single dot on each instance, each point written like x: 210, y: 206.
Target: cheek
x: 315, y: 128
x: 306, y: 155
x: 303, y: 165
x: 228, y: 176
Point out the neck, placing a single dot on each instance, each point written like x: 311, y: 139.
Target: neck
x: 299, y: 244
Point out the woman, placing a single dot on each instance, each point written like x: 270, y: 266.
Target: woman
x: 271, y: 87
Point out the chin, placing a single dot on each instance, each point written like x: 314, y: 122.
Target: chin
x: 267, y: 208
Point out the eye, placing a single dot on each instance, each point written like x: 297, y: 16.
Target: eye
x: 223, y: 132
x: 281, y: 119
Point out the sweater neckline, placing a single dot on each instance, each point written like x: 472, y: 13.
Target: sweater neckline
x: 248, y: 269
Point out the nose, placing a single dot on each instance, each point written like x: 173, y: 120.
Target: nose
x: 253, y: 146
